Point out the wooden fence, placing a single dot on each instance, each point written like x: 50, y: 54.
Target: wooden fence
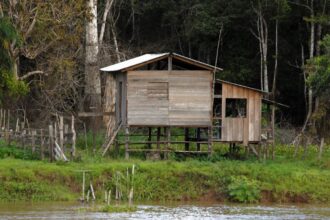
x: 54, y: 142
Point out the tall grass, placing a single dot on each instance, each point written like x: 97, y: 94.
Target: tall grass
x: 285, y: 179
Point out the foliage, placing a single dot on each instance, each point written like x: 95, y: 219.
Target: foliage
x: 15, y: 152
x: 319, y: 68
x: 242, y: 189
x: 118, y: 208
x: 9, y: 85
x: 283, y: 180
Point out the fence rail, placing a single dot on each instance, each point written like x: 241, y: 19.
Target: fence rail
x: 54, y: 142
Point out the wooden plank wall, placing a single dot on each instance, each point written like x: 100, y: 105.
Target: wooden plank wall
x: 169, y: 98
x: 244, y: 128
x: 143, y: 107
x: 109, y: 100
x: 190, y: 98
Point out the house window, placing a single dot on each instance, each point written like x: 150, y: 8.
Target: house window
x: 236, y: 108
x: 158, y: 90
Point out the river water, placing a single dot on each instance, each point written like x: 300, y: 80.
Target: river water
x: 68, y: 210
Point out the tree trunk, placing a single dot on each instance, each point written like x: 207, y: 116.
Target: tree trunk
x: 92, y: 76
x: 104, y: 19
x: 276, y: 60
x: 115, y: 42
x: 311, y: 55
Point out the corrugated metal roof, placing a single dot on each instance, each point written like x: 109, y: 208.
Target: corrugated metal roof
x: 132, y: 62
x: 148, y: 58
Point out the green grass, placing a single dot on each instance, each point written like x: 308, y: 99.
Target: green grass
x: 117, y: 208
x: 285, y: 179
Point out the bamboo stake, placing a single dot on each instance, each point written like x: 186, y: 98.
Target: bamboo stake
x: 109, y: 197
x: 42, y: 142
x: 51, y: 153
x: 73, y: 146
x: 92, y: 190
x: 61, y: 133
x: 33, y: 133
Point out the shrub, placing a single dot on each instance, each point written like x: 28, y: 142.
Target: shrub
x: 242, y: 189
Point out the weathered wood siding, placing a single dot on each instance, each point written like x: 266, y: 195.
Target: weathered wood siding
x: 121, y: 113
x: 169, y: 98
x: 190, y: 98
x: 109, y: 100
x: 241, y: 128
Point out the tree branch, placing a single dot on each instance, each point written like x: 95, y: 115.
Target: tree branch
x: 105, y: 15
x: 306, y: 6
x: 31, y: 74
x: 28, y: 32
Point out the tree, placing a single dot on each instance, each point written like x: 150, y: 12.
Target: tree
x: 318, y: 69
x: 9, y: 85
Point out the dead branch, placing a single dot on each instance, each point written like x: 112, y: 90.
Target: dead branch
x: 39, y: 72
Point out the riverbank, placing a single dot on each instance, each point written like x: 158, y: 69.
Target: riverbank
x: 279, y: 181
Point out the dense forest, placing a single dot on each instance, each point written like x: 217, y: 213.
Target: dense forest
x: 51, y: 51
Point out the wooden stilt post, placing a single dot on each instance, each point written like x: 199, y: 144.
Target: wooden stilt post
x: 186, y: 138
x: 168, y: 134
x: 273, y: 132
x: 126, y: 142
x: 198, y: 138
x: 158, y: 139
x: 210, y: 141
x: 149, y: 137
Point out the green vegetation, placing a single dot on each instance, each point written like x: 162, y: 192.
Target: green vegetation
x: 118, y: 208
x: 283, y: 180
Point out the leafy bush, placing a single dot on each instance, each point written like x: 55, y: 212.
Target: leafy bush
x: 242, y: 189
x: 17, y: 153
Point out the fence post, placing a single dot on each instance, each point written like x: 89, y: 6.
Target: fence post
x: 73, y: 146
x: 0, y: 118
x: 61, y: 131
x: 42, y: 142
x: 51, y: 152
x: 33, y: 140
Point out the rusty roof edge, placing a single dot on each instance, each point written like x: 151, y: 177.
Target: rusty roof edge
x: 247, y: 87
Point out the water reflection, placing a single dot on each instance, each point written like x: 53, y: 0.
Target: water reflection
x: 192, y: 211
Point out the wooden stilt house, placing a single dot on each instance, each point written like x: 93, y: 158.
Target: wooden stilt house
x: 169, y: 90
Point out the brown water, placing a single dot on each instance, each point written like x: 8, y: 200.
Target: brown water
x: 169, y: 211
